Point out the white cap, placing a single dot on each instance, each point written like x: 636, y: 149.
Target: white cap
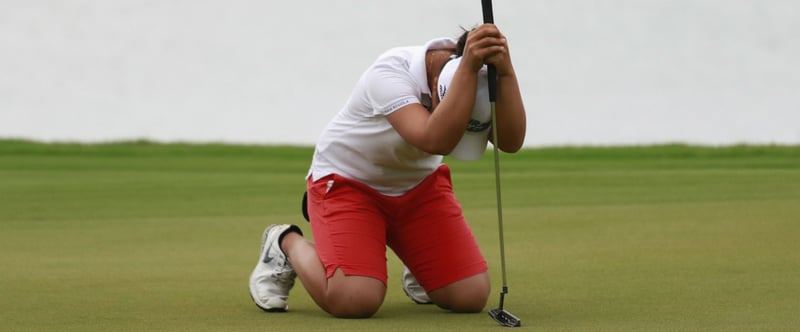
x: 473, y: 144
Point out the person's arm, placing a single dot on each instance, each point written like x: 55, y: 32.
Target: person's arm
x: 439, y: 132
x: 511, y: 120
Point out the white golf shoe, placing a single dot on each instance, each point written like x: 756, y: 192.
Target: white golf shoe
x: 273, y: 276
x: 413, y: 289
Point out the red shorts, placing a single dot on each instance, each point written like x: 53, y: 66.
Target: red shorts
x: 352, y: 225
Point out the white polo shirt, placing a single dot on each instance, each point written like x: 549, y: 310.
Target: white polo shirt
x: 360, y: 143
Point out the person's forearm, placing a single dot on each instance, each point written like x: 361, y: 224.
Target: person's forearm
x: 511, y: 121
x: 449, y: 121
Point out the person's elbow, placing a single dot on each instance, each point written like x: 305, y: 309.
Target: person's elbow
x: 512, y: 143
x: 511, y: 147
x: 440, y: 146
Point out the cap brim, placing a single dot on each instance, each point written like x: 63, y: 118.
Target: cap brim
x: 472, y: 145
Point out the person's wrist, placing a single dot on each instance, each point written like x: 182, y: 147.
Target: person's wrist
x: 506, y: 74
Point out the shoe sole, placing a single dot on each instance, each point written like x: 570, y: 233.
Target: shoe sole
x: 267, y: 309
x: 263, y: 242
x: 408, y: 293
x: 415, y: 300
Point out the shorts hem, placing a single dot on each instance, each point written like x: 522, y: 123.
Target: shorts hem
x: 330, y: 271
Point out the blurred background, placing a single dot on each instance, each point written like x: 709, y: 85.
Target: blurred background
x: 613, y: 72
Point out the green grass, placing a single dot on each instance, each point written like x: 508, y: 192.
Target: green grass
x: 162, y: 237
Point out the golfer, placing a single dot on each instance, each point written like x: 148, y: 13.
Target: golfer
x: 377, y: 180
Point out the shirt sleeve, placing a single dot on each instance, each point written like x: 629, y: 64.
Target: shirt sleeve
x: 389, y: 88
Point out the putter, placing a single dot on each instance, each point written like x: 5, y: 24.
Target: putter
x: 499, y: 314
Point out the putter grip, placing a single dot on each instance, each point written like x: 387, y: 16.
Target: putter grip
x: 488, y: 17
x: 491, y: 76
x: 488, y: 14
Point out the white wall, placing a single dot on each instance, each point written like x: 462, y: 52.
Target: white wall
x: 593, y: 72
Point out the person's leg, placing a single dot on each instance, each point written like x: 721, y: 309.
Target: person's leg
x: 341, y: 296
x: 436, y: 244
x: 466, y: 295
x: 345, y: 271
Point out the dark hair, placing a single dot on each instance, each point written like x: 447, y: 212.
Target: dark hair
x: 462, y: 41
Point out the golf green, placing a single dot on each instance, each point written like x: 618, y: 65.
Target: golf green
x: 138, y: 236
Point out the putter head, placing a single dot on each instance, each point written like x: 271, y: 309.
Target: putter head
x: 505, y: 318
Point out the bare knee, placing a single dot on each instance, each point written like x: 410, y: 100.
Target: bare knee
x: 468, y: 295
x: 468, y: 301
x: 353, y: 306
x: 354, y: 296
